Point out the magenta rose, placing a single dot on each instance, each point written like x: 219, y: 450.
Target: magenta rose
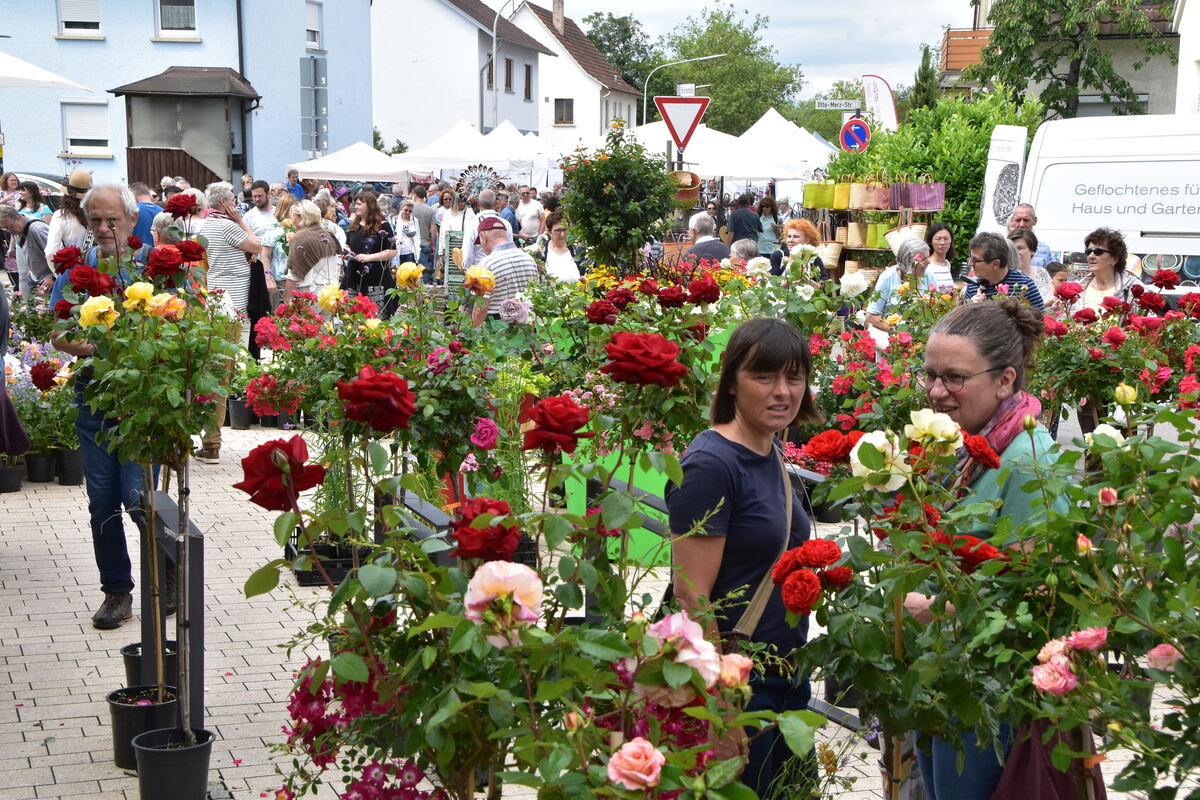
x: 486, y: 433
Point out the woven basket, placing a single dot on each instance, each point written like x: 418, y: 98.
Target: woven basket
x: 896, y: 236
x: 853, y: 265
x: 858, y: 195
x: 840, y: 235
x: 830, y: 252
x: 856, y: 234
x: 871, y: 275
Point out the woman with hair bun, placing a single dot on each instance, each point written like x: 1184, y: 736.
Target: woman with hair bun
x: 975, y: 366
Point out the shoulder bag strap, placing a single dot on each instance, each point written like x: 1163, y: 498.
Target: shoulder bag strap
x: 758, y: 602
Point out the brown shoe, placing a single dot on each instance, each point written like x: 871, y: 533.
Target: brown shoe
x: 207, y: 455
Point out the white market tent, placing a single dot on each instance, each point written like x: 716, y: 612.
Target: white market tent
x: 513, y: 155
x: 358, y: 162
x: 457, y: 147
x: 780, y: 145
x: 16, y: 72
x: 705, y: 152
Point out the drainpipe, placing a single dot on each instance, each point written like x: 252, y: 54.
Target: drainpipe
x: 242, y: 111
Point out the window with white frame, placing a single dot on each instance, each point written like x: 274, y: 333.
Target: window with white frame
x: 176, y: 18
x: 79, y: 17
x: 85, y: 129
x: 312, y: 25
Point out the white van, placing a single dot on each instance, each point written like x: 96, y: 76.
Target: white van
x: 1137, y: 174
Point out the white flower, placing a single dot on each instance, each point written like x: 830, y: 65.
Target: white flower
x: 935, y: 430
x: 804, y: 253
x: 758, y: 266
x: 726, y: 263
x: 854, y: 284
x: 805, y: 291
x: 894, y: 472
x: 1104, y: 429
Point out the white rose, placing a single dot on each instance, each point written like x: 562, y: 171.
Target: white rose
x: 758, y: 266
x: 895, y: 470
x: 934, y: 429
x: 854, y: 284
x: 1104, y: 429
x: 805, y: 291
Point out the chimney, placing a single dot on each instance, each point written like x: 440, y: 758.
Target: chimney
x: 559, y: 25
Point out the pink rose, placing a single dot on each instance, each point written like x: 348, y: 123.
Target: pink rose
x: 735, y: 670
x: 1108, y: 496
x: 502, y: 579
x: 1054, y: 679
x: 1163, y: 657
x: 485, y: 434
x: 666, y: 696
x: 1088, y: 639
x: 1052, y: 649
x: 637, y: 765
x: 691, y: 647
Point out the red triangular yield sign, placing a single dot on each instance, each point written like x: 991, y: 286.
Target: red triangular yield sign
x: 682, y: 115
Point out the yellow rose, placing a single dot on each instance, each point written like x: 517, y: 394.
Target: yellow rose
x: 1125, y: 394
x: 167, y: 306
x: 98, y: 311
x: 408, y: 275
x: 479, y: 280
x: 372, y: 324
x: 137, y: 295
x: 893, y: 320
x: 934, y: 430
x: 329, y: 297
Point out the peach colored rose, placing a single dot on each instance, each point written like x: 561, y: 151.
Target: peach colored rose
x: 667, y: 696
x: 1054, y: 679
x: 735, y: 670
x: 691, y: 647
x: 1088, y: 639
x: 1051, y: 650
x: 1108, y: 496
x: 1163, y: 657
x: 637, y: 765
x: 512, y: 592
x: 166, y: 305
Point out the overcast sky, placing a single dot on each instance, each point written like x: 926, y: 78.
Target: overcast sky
x: 829, y: 40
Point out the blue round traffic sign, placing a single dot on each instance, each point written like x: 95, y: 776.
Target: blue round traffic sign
x: 855, y: 135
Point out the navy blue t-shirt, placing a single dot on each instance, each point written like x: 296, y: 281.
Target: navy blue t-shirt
x: 751, y: 519
x: 1019, y: 285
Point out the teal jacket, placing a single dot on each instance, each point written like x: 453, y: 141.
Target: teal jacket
x: 1019, y: 459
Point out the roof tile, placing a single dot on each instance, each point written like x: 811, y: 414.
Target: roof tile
x: 585, y: 54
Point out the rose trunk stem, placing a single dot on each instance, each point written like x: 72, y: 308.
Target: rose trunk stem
x: 183, y: 607
x: 898, y: 650
x: 148, y: 531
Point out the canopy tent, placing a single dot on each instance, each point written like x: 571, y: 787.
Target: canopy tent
x: 705, y: 152
x: 775, y: 140
x: 513, y: 155
x: 358, y: 162
x: 15, y: 72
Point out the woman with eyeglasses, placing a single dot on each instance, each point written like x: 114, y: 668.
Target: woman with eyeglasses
x: 975, y: 366
x: 560, y: 257
x: 1106, y: 255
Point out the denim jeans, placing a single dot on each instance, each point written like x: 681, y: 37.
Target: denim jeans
x: 981, y: 768
x: 769, y: 752
x: 425, y: 259
x: 111, y: 483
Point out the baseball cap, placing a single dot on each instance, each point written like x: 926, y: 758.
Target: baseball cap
x: 490, y: 224
x: 79, y: 182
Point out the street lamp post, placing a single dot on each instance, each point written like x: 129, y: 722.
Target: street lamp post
x: 646, y: 87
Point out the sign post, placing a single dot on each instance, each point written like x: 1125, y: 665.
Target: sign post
x: 838, y: 105
x: 682, y: 116
x: 855, y: 136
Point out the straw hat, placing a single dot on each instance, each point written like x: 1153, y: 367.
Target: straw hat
x: 79, y: 182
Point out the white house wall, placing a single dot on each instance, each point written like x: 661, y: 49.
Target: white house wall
x: 419, y: 90
x: 511, y: 106
x: 1187, y: 88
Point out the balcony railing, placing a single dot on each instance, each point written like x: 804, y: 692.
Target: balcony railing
x: 962, y: 47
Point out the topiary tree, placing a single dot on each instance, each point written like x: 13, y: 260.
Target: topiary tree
x: 617, y: 198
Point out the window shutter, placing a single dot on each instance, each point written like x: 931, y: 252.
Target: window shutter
x: 79, y: 11
x: 85, y: 120
x: 312, y: 16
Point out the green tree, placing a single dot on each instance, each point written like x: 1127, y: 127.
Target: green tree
x: 747, y: 81
x: 925, y: 91
x: 823, y: 121
x: 1057, y: 43
x: 378, y: 143
x: 633, y: 54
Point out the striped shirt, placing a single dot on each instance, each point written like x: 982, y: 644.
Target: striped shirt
x: 228, y: 268
x: 1019, y: 285
x: 513, y: 268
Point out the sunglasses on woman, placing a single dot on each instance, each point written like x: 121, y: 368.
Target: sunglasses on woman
x: 1096, y: 251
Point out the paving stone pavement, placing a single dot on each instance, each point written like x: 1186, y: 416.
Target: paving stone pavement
x: 55, y: 669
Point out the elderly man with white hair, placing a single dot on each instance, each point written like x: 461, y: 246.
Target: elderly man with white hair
x: 705, y: 244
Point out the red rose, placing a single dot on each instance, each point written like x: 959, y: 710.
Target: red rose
x: 557, y: 421
x: 672, y: 297
x: 854, y: 436
x: 788, y: 563
x: 981, y: 450
x: 601, y: 312
x: 621, y: 297
x: 831, y: 445
x: 180, y: 205
x: 1084, y: 315
x: 836, y: 578
x: 1114, y: 336
x: 1137, y: 289
x: 62, y: 309
x: 801, y: 591
x: 819, y: 553
x: 134, y: 243
x: 1146, y: 324
x: 274, y: 473
x: 648, y: 286
x: 698, y: 330
x: 973, y: 551
x: 165, y: 261
x: 704, y: 290
x: 1165, y: 279
x: 1095, y: 353
x: 1152, y: 301
x: 1190, y: 304
x: 88, y: 279
x: 1052, y: 327
x: 190, y: 251
x: 66, y: 258
x: 42, y: 375
x: 1068, y: 291
x: 1112, y: 305
x: 490, y: 543
x: 380, y: 399
x: 643, y: 358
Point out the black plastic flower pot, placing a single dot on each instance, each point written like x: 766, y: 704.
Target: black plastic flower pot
x: 268, y: 421
x: 239, y: 414
x: 39, y: 468
x: 133, y: 711
x: 69, y: 466
x: 170, y: 769
x: 131, y: 655
x: 10, y: 478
